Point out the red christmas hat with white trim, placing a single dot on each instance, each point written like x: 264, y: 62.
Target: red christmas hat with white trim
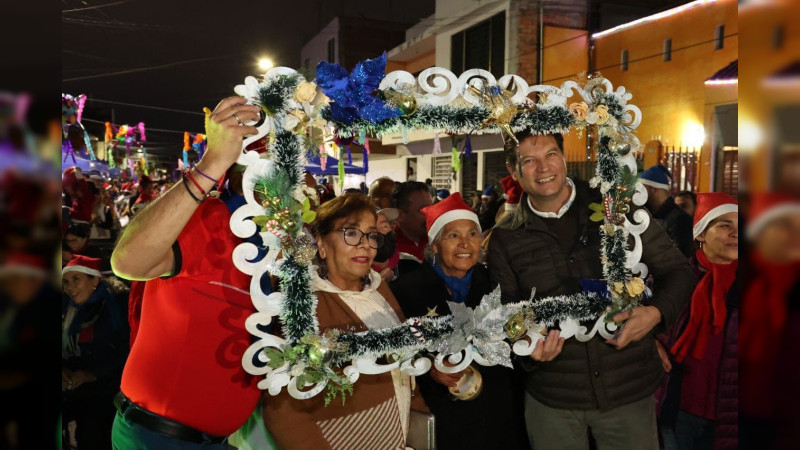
x: 450, y: 209
x: 769, y: 206
x: 83, y: 264
x: 20, y: 263
x: 710, y: 206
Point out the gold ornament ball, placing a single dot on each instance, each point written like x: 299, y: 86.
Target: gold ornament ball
x: 515, y: 327
x: 290, y: 223
x: 318, y: 355
x: 622, y: 149
x: 623, y: 208
x: 305, y: 255
x: 407, y: 105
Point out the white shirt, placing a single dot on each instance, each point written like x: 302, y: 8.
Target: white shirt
x: 564, y: 208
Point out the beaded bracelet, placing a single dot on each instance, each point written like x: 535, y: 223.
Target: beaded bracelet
x: 203, y: 173
x: 189, y: 190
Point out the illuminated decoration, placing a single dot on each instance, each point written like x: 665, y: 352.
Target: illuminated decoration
x: 197, y: 142
x: 654, y: 17
x: 721, y: 82
x: 693, y: 134
x: 305, y: 361
x: 71, y: 115
x: 128, y: 136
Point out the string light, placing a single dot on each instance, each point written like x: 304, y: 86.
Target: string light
x: 654, y: 17
x: 721, y: 82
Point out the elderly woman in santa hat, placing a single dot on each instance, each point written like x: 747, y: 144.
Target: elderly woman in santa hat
x: 479, y: 406
x: 700, y: 410
x: 94, y: 347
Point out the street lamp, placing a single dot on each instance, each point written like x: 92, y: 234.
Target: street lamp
x: 265, y: 64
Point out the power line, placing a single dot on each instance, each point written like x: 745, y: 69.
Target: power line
x: 148, y: 128
x: 160, y: 108
x: 143, y: 69
x: 94, y: 7
x: 655, y: 55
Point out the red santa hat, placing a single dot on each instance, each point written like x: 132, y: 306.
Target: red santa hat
x: 24, y: 264
x: 83, y: 264
x: 450, y: 209
x: 710, y: 206
x: 766, y: 207
x: 71, y: 176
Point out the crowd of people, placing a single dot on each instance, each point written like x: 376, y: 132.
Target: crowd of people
x: 154, y: 311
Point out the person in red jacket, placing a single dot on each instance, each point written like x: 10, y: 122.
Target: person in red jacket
x: 80, y: 198
x: 701, y: 407
x: 183, y: 385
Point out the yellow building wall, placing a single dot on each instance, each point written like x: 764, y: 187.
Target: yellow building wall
x: 672, y: 95
x: 566, y: 53
x: 760, y: 60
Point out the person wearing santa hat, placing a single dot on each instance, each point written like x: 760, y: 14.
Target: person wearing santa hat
x: 661, y: 204
x: 487, y: 418
x: 195, y: 303
x: 701, y: 405
x: 94, y: 346
x: 27, y: 331
x: 601, y: 387
x: 767, y: 365
x: 78, y: 196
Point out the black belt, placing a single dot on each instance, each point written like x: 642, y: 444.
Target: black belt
x: 133, y: 413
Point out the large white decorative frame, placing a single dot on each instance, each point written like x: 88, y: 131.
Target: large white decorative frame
x: 434, y: 86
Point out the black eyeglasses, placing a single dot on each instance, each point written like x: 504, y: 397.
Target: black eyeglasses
x: 354, y: 237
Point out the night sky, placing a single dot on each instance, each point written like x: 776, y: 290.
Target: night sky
x: 184, y: 55
x: 206, y: 48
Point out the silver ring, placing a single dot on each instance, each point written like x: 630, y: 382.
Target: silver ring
x: 236, y: 116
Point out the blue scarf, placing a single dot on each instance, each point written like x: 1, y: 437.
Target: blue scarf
x: 459, y: 287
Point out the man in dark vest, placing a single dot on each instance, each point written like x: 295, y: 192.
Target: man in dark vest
x: 548, y: 242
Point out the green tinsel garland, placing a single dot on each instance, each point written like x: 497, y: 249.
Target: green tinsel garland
x: 614, y: 108
x: 299, y: 309
x: 449, y: 119
x: 287, y: 153
x: 581, y: 307
x: 273, y: 96
x: 401, y: 339
x: 607, y: 165
x: 544, y: 120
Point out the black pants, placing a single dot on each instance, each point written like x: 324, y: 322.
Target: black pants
x: 94, y: 417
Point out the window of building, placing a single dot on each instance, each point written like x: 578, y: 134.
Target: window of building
x: 777, y: 37
x: 624, y: 61
x: 719, y: 37
x: 441, y: 171
x: 332, y: 50
x: 667, y: 50
x: 481, y: 46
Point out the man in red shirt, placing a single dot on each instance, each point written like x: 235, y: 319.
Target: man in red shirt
x: 412, y: 236
x: 183, y: 385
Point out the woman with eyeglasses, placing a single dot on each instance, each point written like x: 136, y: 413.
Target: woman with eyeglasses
x: 351, y: 297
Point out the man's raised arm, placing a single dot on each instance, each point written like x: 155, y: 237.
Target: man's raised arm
x: 145, y: 249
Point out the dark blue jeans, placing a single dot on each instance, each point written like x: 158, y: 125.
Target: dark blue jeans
x: 130, y: 436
